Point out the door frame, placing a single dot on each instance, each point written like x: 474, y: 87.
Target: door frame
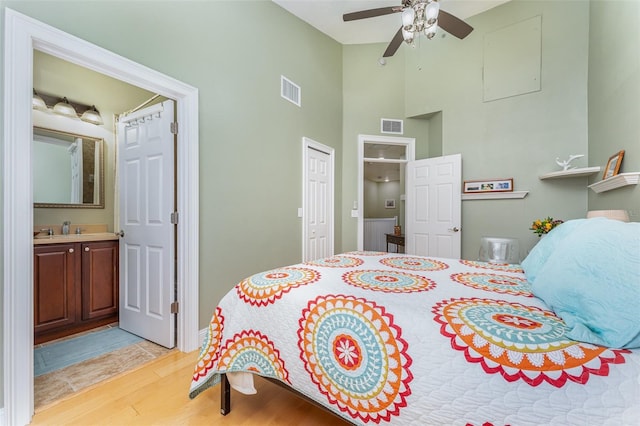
x: 409, y: 143
x: 22, y: 35
x: 308, y: 144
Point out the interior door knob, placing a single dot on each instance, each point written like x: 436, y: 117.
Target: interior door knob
x: 120, y: 234
x: 454, y: 229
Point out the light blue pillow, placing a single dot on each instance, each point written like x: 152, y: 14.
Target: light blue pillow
x: 592, y: 281
x: 546, y: 246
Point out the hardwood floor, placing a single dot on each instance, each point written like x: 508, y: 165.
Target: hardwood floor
x: 157, y: 394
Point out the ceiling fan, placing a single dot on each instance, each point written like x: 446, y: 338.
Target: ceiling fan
x: 417, y: 16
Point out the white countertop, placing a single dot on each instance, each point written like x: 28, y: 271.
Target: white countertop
x: 73, y: 238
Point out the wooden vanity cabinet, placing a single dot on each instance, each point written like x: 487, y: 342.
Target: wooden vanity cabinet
x: 75, y: 288
x: 55, y: 274
x: 99, y: 279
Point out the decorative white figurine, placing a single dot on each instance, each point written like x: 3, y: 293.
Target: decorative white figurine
x: 565, y: 164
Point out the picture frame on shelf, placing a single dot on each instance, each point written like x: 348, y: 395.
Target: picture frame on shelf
x: 390, y: 204
x: 613, y: 165
x: 488, y: 185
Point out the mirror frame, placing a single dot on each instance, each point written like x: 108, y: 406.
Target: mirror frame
x: 99, y: 205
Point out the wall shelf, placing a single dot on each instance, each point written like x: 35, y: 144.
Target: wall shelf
x: 495, y: 195
x: 617, y: 181
x: 571, y: 173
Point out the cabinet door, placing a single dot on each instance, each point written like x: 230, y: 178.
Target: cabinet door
x: 54, y: 297
x: 99, y: 279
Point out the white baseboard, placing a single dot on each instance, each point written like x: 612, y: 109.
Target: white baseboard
x: 202, y: 334
x: 2, y: 420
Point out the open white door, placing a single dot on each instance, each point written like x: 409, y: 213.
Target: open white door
x: 146, y: 182
x: 433, y: 207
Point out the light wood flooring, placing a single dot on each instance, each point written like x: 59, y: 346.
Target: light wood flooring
x: 157, y: 394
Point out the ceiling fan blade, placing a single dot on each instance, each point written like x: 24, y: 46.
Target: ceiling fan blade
x: 371, y: 13
x: 394, y: 45
x: 452, y: 25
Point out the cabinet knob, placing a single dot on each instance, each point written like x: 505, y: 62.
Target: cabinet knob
x: 70, y: 250
x: 86, y: 249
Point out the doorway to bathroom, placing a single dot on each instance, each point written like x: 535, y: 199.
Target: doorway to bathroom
x: 22, y: 35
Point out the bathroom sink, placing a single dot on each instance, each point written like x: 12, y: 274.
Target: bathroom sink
x: 55, y: 237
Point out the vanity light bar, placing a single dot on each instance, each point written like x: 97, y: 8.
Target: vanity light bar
x: 80, y: 109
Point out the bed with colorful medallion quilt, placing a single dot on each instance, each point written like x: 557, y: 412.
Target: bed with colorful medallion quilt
x: 382, y: 338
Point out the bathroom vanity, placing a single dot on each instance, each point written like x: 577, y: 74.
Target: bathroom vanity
x: 75, y: 280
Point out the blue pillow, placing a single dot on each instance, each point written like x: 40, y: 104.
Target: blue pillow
x: 546, y: 246
x: 592, y: 281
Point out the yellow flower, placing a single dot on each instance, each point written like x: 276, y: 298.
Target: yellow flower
x: 543, y: 226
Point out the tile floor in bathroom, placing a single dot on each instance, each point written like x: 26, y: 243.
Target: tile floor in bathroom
x: 57, y: 385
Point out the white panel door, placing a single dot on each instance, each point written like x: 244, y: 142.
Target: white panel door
x: 433, y: 207
x: 147, y: 258
x: 318, y: 208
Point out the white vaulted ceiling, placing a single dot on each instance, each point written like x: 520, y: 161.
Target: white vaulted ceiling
x: 326, y: 16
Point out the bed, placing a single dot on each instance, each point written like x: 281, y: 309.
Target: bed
x: 382, y: 338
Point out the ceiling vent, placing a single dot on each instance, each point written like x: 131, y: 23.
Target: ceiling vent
x: 289, y: 90
x: 391, y: 126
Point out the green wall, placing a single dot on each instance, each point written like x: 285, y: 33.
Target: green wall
x: 614, y: 98
x: 515, y: 137
x: 375, y: 194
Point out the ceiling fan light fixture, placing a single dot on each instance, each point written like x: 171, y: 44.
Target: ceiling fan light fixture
x: 431, y: 31
x: 417, y: 17
x: 65, y: 108
x: 408, y: 36
x: 433, y: 8
x: 408, y: 16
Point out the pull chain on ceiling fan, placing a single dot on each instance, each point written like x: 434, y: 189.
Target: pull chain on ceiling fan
x: 418, y: 16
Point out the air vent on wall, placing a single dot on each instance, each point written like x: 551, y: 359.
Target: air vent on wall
x: 289, y: 90
x: 391, y: 126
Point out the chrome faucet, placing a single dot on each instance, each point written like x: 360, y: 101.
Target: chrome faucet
x: 65, y: 227
x: 49, y: 231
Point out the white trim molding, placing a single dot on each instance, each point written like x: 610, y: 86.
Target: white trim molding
x: 495, y: 195
x: 22, y: 35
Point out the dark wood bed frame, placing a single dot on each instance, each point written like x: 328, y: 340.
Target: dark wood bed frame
x: 225, y: 397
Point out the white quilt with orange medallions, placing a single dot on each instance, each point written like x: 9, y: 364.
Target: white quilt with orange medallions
x: 384, y: 338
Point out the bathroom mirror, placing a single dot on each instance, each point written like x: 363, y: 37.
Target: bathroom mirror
x: 68, y: 170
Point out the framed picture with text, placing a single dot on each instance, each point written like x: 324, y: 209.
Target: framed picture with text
x: 489, y: 185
